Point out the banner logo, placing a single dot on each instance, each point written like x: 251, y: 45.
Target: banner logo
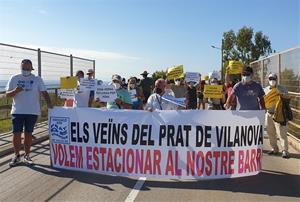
x: 59, y: 129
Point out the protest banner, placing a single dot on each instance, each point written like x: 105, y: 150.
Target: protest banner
x: 215, y: 75
x: 175, y: 72
x: 213, y: 91
x: 69, y: 82
x: 272, y: 98
x: 234, y: 67
x: 194, y: 144
x: 106, y: 93
x: 87, y: 84
x: 66, y: 93
x: 192, y: 77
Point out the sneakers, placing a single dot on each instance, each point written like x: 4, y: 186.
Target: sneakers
x: 273, y: 152
x: 27, y: 160
x: 15, y: 160
x: 285, y: 154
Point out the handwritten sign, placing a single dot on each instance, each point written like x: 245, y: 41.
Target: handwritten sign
x: 213, y: 91
x: 87, y: 84
x: 69, y: 82
x: 192, y: 77
x: 133, y: 95
x: 175, y: 72
x: 234, y: 67
x: 66, y: 93
x: 106, y: 93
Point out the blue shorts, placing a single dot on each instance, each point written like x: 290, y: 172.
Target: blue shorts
x: 20, y: 121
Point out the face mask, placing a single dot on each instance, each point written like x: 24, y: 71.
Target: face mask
x: 158, y: 90
x: 177, y: 83
x: 132, y: 85
x: 206, y: 82
x: 272, y: 83
x: 246, y: 79
x: 26, y: 72
x: 117, y: 85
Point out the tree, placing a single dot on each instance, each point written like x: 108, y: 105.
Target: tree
x: 245, y: 45
x: 159, y: 74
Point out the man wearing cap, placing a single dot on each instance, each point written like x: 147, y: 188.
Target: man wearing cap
x: 249, y: 94
x: 274, y: 129
x: 91, y: 74
x: 25, y: 89
x: 124, y: 99
x: 147, y: 85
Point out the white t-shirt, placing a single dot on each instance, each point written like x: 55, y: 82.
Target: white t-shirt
x: 28, y: 100
x: 82, y: 98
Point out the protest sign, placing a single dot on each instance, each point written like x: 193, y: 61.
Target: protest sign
x: 87, y: 84
x: 194, y: 144
x: 192, y: 77
x: 69, y: 82
x: 133, y: 95
x: 272, y: 98
x: 234, y: 67
x: 106, y: 93
x: 66, y: 93
x: 175, y: 72
x: 215, y: 75
x: 213, y: 91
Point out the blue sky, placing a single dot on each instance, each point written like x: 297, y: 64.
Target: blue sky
x: 129, y: 36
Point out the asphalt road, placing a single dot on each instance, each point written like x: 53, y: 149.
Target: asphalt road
x: 279, y: 181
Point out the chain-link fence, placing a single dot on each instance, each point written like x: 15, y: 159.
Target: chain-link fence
x: 286, y: 65
x: 49, y: 65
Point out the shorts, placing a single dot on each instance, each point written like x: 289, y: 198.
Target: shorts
x: 20, y: 121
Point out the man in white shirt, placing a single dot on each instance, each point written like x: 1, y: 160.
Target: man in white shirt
x: 155, y: 101
x: 25, y: 89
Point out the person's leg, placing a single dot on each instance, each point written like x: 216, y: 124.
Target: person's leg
x: 271, y: 132
x: 282, y: 131
x: 29, y: 126
x: 17, y: 124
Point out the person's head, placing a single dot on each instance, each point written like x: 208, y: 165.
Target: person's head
x: 80, y: 74
x: 214, y: 81
x: 247, y: 75
x: 144, y: 74
x: 132, y: 83
x: 26, y: 67
x: 178, y: 81
x: 90, y: 73
x: 272, y: 79
x: 160, y: 85
x: 116, y: 81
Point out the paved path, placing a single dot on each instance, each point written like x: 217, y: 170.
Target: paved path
x: 279, y: 181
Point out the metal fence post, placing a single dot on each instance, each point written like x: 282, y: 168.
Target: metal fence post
x: 39, y: 62
x: 279, y: 69
x: 71, y: 65
x: 94, y: 67
x: 262, y: 73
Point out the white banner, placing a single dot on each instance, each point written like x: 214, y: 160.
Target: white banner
x: 195, y: 144
x: 66, y: 93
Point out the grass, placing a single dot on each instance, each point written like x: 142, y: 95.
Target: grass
x: 5, y: 120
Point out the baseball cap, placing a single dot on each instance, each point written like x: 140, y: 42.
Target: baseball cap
x: 272, y: 76
x: 27, y: 61
x: 116, y: 77
x: 90, y: 71
x: 247, y: 70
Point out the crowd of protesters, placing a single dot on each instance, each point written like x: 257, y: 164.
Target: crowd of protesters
x: 240, y: 93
